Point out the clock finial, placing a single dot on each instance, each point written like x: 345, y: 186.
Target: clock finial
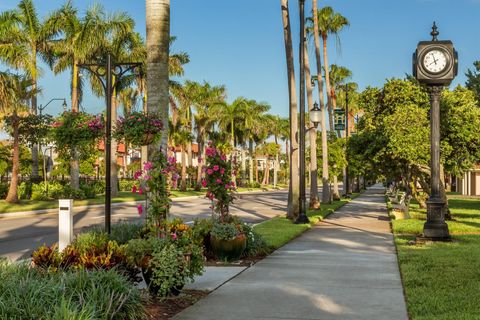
x: 434, y: 32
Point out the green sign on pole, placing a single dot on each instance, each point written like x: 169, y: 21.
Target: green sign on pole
x: 339, y: 119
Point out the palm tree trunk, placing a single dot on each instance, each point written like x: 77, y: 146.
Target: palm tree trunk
x: 35, y: 146
x: 256, y: 165
x: 189, y: 154
x: 265, y: 173
x: 158, y: 37
x: 75, y: 161
x: 327, y: 81
x: 244, y: 165
x: 12, y: 195
x: 201, y: 152
x: 113, y: 150
x: 183, y: 183
x: 336, y: 193
x: 314, y: 199
x: 294, y: 190
x: 275, y: 171
x: 325, y: 185
x: 250, y: 149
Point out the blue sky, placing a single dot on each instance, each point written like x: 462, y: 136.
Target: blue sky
x: 239, y: 43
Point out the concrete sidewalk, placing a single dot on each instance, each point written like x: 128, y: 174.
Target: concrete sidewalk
x: 344, y: 268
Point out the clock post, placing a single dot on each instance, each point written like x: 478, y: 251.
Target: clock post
x: 435, y: 65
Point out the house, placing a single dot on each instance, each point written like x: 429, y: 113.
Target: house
x: 469, y: 183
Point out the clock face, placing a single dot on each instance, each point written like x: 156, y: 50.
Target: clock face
x: 435, y: 61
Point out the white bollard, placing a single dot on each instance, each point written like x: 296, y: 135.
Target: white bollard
x: 65, y: 223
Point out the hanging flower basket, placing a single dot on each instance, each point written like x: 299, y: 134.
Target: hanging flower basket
x: 139, y: 129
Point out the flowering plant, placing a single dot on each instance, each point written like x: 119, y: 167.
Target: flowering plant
x: 138, y: 128
x: 77, y: 129
x: 154, y: 180
x: 218, y: 180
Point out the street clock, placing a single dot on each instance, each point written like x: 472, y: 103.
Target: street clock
x: 435, y: 62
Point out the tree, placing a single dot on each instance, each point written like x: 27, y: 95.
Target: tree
x: 294, y: 190
x: 15, y: 91
x: 473, y: 79
x: 329, y: 23
x: 158, y: 44
x: 316, y: 34
x: 23, y: 38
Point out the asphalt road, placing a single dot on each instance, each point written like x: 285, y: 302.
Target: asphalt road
x: 20, y: 235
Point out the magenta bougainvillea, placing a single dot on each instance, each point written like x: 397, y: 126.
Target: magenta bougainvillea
x: 154, y: 180
x: 218, y: 181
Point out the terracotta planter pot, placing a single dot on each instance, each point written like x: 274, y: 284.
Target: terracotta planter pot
x: 229, y: 249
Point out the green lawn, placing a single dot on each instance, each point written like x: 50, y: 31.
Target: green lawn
x: 280, y: 230
x: 442, y: 280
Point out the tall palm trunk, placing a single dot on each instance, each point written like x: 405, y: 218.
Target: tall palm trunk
x: 75, y: 161
x: 35, y: 146
x: 244, y: 164
x: 183, y: 183
x: 314, y: 199
x: 189, y: 154
x: 256, y: 164
x: 325, y: 185
x: 250, y: 150
x: 158, y: 37
x: 201, y: 152
x: 113, y: 150
x: 327, y: 81
x: 294, y: 190
x: 12, y: 195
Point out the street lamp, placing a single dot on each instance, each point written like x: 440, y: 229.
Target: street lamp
x: 107, y: 70
x: 302, y: 217
x: 64, y: 104
x: 347, y: 178
x: 315, y: 114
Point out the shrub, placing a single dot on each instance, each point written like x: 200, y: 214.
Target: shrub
x: 24, y: 190
x: 38, y: 192
x: 256, y: 245
x: 127, y: 185
x: 88, y: 190
x: 121, y: 232
x: 28, y: 293
x: 3, y: 190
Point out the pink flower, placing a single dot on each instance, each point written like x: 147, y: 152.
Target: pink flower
x: 204, y: 169
x: 147, y: 166
x: 210, y: 152
x: 137, y: 174
x: 147, y: 177
x: 204, y: 183
x: 215, y: 168
x: 209, y: 171
x: 140, y: 209
x: 222, y: 171
x: 223, y: 157
x: 227, y: 186
x: 134, y: 189
x: 200, y: 159
x: 174, y: 236
x: 140, y: 191
x: 219, y: 181
x: 172, y: 160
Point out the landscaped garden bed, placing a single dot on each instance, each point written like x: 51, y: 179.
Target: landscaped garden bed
x: 441, y: 279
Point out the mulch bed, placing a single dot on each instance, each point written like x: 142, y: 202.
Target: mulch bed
x: 168, y: 307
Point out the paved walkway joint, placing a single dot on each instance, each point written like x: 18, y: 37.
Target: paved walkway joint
x: 344, y: 268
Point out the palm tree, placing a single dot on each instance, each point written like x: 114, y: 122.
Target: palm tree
x: 329, y: 23
x: 206, y: 98
x: 158, y: 44
x: 24, y: 38
x: 294, y: 190
x: 316, y: 34
x: 338, y: 75
x: 276, y: 131
x: 15, y: 91
x: 82, y: 40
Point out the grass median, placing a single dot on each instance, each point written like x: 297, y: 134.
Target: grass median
x: 441, y: 280
x: 280, y: 230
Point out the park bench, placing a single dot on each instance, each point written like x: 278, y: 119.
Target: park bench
x: 400, y: 207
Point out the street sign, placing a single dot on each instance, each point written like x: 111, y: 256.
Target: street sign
x: 339, y: 119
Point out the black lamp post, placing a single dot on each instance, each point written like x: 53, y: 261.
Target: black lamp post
x: 302, y: 217
x: 104, y: 73
x: 347, y: 178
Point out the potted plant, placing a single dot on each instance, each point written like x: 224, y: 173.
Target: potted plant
x: 139, y: 129
x: 167, y: 262
x: 227, y: 239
